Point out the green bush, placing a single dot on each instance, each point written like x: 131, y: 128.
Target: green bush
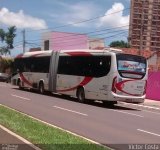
x: 6, y: 65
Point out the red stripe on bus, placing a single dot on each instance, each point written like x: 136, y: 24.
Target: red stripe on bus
x: 119, y: 87
x: 79, y: 53
x: 85, y: 81
x: 25, y: 80
x: 19, y: 56
x: 34, y: 55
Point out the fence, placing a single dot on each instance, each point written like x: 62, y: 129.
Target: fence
x: 153, y: 86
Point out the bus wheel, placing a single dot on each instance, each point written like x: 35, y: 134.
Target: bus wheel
x: 20, y: 84
x: 81, y: 95
x: 41, y: 88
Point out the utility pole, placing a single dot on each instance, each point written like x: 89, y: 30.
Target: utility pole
x: 24, y: 42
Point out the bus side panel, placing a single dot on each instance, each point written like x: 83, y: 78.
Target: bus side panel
x: 98, y: 88
x: 95, y: 88
x: 37, y: 76
x: 53, y: 71
x: 67, y: 84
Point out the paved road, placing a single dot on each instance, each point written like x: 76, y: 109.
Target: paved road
x: 107, y: 126
x: 10, y: 142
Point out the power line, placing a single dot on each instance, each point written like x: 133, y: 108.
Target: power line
x: 76, y: 35
x: 79, y: 22
x: 87, y: 20
x: 83, y: 42
x: 78, y: 38
x: 67, y: 41
x: 107, y: 37
x: 32, y: 44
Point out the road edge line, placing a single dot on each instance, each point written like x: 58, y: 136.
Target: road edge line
x: 19, y: 137
x: 140, y: 105
x: 75, y: 134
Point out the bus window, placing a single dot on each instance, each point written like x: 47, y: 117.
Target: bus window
x: 128, y: 65
x: 95, y: 66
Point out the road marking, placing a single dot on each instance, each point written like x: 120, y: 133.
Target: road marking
x: 21, y: 97
x: 152, y: 112
x: 149, y: 107
x: 128, y: 113
x: 138, y: 105
x: 70, y: 110
x: 20, y: 138
x: 148, y: 132
x: 75, y: 134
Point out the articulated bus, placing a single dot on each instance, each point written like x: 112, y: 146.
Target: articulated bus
x: 106, y: 75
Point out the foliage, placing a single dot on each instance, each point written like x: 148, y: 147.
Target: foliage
x: 2, y: 35
x: 8, y: 38
x: 6, y: 63
x: 119, y: 44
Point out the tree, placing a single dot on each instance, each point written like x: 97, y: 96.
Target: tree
x: 2, y: 35
x: 119, y: 44
x: 8, y: 38
x: 6, y: 64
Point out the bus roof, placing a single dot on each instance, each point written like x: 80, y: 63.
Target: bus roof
x: 48, y: 52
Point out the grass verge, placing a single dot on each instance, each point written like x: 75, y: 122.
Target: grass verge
x: 42, y: 135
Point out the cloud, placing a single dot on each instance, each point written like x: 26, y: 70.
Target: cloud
x: 76, y: 13
x: 113, y: 19
x: 20, y: 20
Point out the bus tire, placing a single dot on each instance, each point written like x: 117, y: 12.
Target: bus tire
x: 20, y: 84
x: 81, y: 95
x: 41, y: 88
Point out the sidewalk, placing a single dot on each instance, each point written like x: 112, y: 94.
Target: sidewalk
x: 154, y: 103
x: 148, y: 104
x: 8, y: 141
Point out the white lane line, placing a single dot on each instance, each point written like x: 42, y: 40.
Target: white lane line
x: 51, y: 125
x: 128, y: 113
x: 149, y: 107
x: 70, y: 110
x: 21, y: 97
x: 148, y: 132
x: 138, y: 105
x: 152, y: 112
x: 3, y: 85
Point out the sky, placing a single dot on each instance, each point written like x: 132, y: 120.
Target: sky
x: 107, y: 19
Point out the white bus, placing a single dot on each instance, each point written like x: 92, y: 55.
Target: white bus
x: 106, y: 75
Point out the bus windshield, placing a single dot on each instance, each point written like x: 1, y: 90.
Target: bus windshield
x: 131, y: 64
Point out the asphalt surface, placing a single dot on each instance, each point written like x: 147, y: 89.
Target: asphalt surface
x: 108, y: 126
x: 10, y: 142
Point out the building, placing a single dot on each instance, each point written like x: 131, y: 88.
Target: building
x: 144, y: 30
x: 69, y: 41
x: 63, y: 40
x: 35, y: 49
x: 96, y: 43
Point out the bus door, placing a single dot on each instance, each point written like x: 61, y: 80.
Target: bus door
x: 53, y: 71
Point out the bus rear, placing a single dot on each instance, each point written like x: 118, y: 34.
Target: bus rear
x: 130, y: 78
